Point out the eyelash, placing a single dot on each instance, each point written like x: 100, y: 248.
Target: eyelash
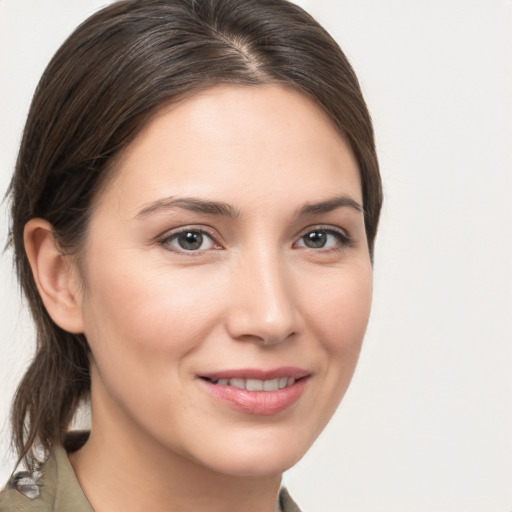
x: 168, y: 237
x: 344, y: 240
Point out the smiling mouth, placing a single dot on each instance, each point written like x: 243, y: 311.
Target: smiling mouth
x: 255, y: 384
x: 255, y: 391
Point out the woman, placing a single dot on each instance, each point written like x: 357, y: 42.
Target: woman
x: 194, y: 209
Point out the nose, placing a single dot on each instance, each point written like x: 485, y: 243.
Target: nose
x: 263, y: 306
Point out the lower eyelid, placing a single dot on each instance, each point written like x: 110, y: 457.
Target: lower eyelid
x: 167, y: 238
x: 342, y: 236
x: 342, y: 243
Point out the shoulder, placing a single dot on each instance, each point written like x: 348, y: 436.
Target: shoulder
x: 286, y: 502
x: 22, y: 494
x: 54, y: 488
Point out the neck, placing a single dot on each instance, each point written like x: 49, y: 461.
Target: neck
x: 117, y: 473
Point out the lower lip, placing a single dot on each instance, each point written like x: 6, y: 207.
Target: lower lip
x: 261, y: 403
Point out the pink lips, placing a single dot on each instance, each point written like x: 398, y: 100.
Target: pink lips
x: 264, y: 403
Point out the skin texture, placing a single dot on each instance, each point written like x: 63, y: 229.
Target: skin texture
x: 254, y: 295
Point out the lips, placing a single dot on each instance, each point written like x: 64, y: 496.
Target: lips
x: 255, y: 391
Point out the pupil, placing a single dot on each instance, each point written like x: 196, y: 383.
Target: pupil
x: 315, y: 239
x: 190, y: 241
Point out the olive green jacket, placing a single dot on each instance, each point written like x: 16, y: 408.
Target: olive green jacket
x: 56, y: 489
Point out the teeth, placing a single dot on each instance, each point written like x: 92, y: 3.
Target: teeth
x: 271, y: 385
x: 256, y: 384
x: 237, y: 383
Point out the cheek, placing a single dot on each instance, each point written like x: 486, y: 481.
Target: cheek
x: 157, y: 317
x: 337, y: 315
x: 142, y: 330
x: 339, y: 312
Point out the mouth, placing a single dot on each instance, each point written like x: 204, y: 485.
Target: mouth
x: 254, y: 384
x: 257, y: 392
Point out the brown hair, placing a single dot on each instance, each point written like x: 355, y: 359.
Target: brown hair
x: 107, y: 79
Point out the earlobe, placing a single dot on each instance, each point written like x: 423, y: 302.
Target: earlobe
x: 55, y: 276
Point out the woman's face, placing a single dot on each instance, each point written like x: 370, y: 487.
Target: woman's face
x: 227, y: 282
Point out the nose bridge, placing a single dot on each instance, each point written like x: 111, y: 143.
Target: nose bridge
x: 265, y: 303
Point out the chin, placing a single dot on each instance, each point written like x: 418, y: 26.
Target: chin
x: 255, y: 458
x: 257, y: 467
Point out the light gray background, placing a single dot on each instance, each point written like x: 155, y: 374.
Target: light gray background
x: 427, y: 422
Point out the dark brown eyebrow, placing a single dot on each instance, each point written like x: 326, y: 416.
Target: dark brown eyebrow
x: 329, y: 205
x: 191, y: 204
x: 224, y: 209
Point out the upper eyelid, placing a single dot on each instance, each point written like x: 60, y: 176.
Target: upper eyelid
x: 324, y: 227
x: 215, y: 236
x: 171, y: 233
x: 345, y: 239
x: 201, y: 229
x: 165, y: 242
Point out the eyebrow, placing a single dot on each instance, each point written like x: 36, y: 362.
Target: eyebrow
x: 226, y: 210
x: 191, y: 204
x: 329, y: 205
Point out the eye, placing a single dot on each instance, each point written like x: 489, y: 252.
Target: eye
x: 323, y: 238
x: 189, y: 240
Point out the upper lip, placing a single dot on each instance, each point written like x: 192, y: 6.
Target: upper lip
x: 257, y: 373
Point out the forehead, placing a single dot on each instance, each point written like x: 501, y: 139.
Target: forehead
x: 229, y: 140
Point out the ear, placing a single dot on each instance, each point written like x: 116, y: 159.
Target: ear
x: 56, y: 276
